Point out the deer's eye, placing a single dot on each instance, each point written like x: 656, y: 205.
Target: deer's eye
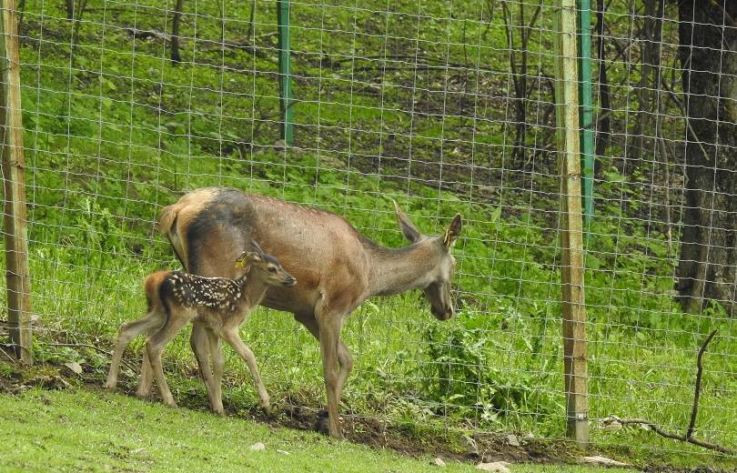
x: 272, y: 269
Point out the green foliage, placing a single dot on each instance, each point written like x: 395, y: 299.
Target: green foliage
x: 462, y: 373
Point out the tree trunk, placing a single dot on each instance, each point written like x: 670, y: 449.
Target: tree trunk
x: 251, y: 24
x: 175, y: 57
x: 708, y: 55
x: 603, y: 128
x: 649, y: 64
x: 519, y: 75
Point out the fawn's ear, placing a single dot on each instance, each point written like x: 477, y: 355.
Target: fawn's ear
x: 453, y: 231
x: 254, y: 257
x: 255, y: 248
x: 408, y: 228
x: 242, y: 260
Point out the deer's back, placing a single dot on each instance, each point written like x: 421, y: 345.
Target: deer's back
x: 321, y: 249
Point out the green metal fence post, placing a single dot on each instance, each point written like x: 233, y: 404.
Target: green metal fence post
x: 285, y: 66
x: 587, y: 110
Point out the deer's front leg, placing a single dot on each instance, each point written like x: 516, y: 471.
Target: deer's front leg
x: 330, y: 326
x: 146, y: 380
x: 216, y: 355
x: 201, y: 348
x: 346, y: 366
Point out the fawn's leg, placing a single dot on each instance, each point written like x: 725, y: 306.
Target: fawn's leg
x: 127, y: 332
x: 155, y: 346
x: 217, y: 371
x: 146, y: 380
x: 232, y: 337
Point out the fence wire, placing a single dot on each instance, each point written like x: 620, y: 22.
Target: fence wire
x: 446, y: 107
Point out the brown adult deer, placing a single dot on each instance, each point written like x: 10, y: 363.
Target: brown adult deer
x: 337, y: 267
x: 220, y: 304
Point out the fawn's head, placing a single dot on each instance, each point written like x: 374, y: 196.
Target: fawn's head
x: 438, y: 292
x: 262, y: 265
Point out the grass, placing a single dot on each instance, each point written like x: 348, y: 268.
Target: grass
x: 84, y: 431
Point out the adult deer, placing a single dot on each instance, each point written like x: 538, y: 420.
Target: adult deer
x: 337, y: 268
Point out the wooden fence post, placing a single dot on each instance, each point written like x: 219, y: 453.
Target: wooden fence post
x: 13, y: 167
x: 572, y: 269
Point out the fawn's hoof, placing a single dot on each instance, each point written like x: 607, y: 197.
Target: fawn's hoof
x: 108, y: 387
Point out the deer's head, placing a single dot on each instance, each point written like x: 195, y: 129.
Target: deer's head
x: 264, y: 266
x: 439, y: 248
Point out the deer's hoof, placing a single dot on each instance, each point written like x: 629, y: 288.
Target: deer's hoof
x: 108, y: 387
x: 322, y: 424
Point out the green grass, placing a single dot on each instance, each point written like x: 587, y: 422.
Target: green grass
x: 88, y: 431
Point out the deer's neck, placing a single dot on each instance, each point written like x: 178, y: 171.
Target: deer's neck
x: 398, y: 270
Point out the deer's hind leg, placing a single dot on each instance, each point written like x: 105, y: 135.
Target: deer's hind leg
x: 155, y: 347
x: 127, y: 332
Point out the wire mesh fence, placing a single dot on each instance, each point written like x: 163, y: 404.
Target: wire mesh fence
x: 445, y: 107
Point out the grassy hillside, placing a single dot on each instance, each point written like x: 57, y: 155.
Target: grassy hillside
x: 407, y: 101
x: 107, y: 432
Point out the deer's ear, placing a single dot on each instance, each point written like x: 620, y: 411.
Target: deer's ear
x: 408, y: 228
x: 453, y: 231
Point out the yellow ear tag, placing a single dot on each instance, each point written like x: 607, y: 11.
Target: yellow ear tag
x: 239, y: 263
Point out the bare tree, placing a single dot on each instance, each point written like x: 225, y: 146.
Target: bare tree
x: 518, y: 65
x: 175, y: 23
x: 251, y: 21
x: 650, y: 40
x: 70, y: 9
x: 604, y: 128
